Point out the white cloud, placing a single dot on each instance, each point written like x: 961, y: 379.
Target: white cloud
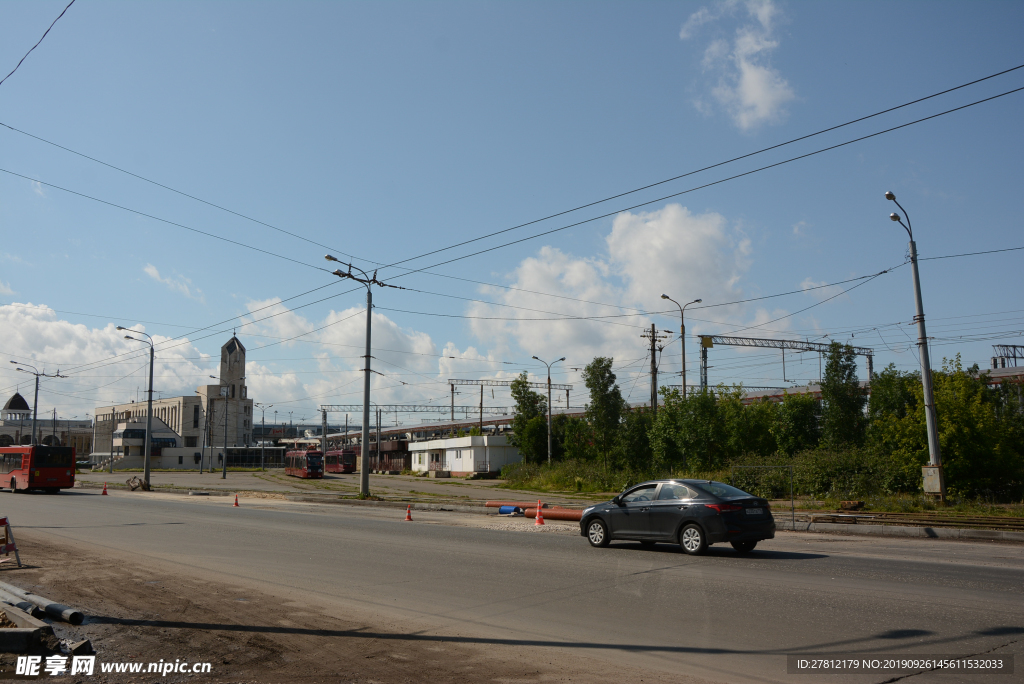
x: 178, y: 284
x: 747, y: 87
x: 671, y: 251
x: 800, y: 228
x: 37, y: 188
x: 5, y: 289
x: 34, y: 334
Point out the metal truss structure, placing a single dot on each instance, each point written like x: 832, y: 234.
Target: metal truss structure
x: 708, y: 341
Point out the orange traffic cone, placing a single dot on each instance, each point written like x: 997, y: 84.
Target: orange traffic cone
x: 408, y: 514
x: 236, y: 501
x: 539, y: 518
x: 104, y: 489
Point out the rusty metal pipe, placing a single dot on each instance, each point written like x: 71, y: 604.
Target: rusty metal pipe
x: 555, y: 513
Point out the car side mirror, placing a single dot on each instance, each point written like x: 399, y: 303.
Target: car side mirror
x: 616, y: 500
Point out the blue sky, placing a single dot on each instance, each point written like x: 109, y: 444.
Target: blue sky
x: 387, y: 130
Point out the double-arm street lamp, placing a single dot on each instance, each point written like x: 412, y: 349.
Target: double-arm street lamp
x: 934, y: 483
x: 263, y: 430
x: 682, y: 331
x: 35, y: 402
x: 549, y: 365
x: 149, y: 402
x: 364, y: 453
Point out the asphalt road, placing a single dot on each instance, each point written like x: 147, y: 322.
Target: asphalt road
x: 722, y: 617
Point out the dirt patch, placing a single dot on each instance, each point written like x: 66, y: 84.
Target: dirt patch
x: 139, y: 614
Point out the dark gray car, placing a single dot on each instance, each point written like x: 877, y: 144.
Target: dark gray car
x: 692, y: 513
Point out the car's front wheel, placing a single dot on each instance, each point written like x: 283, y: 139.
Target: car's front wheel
x: 597, y: 533
x: 692, y: 539
x: 744, y: 546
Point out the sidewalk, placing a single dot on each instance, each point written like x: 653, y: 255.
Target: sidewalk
x: 387, y: 486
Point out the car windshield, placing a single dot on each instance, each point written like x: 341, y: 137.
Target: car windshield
x: 722, y: 490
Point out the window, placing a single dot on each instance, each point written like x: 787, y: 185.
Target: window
x: 723, y: 491
x: 232, y: 391
x: 197, y: 456
x: 195, y: 417
x: 181, y: 459
x: 191, y: 441
x: 670, y: 490
x: 639, y: 494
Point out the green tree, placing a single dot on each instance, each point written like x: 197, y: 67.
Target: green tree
x: 842, y: 399
x: 892, y: 393
x: 634, y: 448
x: 979, y: 434
x: 604, y: 412
x: 532, y: 441
x: 748, y: 428
x: 689, y: 433
x: 577, y: 440
x: 796, y: 423
x: 528, y: 405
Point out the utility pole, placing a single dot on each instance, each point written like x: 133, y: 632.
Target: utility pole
x: 364, y: 458
x: 453, y: 402
x: 655, y: 349
x: 35, y: 402
x: 482, y: 409
x: 934, y: 482
x: 323, y: 434
x: 224, y: 471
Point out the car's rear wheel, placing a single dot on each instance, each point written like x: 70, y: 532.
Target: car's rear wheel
x: 744, y: 546
x: 692, y: 540
x: 597, y: 533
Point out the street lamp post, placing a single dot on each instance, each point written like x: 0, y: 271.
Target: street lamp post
x: 549, y: 365
x: 682, y: 332
x: 35, y: 401
x: 263, y: 430
x: 149, y: 402
x: 934, y: 483
x: 364, y: 454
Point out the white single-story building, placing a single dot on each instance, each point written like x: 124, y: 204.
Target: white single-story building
x: 463, y: 455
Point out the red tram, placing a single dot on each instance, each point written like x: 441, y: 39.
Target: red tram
x: 307, y: 463
x: 340, y: 461
x: 49, y: 468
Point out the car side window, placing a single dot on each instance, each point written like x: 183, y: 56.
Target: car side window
x: 640, y: 494
x: 670, y: 491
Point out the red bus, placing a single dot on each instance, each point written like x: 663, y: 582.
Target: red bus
x: 307, y: 464
x: 50, y: 468
x: 340, y: 461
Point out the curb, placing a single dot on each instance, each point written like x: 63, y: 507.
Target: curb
x: 901, y: 531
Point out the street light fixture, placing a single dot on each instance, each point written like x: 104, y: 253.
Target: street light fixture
x: 364, y: 454
x: 682, y: 332
x: 149, y: 402
x: 35, y: 402
x: 263, y: 429
x: 549, y: 365
x: 934, y: 482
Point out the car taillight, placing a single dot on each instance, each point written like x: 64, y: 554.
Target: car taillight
x: 724, y: 508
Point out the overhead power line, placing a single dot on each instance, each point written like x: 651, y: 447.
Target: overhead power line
x: 522, y: 225
x: 707, y: 168
x: 712, y: 183
x: 37, y: 43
